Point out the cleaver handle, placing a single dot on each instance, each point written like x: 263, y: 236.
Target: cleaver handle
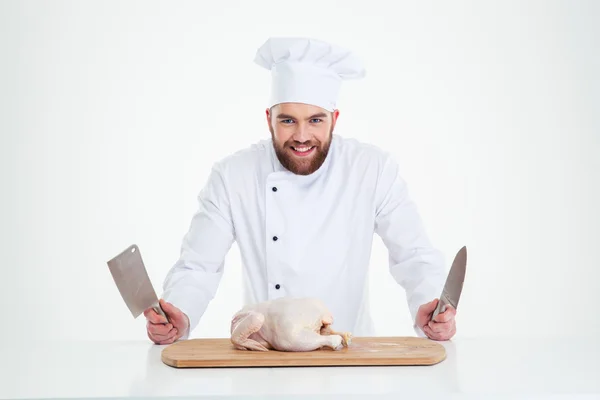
x: 160, y: 311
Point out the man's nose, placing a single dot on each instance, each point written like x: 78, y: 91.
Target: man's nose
x: 301, y: 134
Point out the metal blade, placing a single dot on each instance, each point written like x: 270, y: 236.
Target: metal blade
x: 454, y: 283
x: 132, y: 280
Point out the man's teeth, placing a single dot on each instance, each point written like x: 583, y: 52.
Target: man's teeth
x: 302, y: 149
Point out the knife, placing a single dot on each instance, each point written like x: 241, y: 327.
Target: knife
x: 454, y: 283
x: 129, y: 273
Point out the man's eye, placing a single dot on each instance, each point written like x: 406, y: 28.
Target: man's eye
x: 316, y: 120
x: 288, y: 121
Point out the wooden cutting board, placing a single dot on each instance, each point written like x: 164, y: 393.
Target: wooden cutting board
x: 363, y: 351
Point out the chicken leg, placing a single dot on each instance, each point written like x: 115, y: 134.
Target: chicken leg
x: 243, y: 326
x: 346, y: 336
x: 309, y: 341
x: 326, y: 330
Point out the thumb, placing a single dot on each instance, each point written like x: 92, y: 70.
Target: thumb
x: 430, y: 307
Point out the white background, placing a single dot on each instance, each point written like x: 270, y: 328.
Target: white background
x: 112, y: 113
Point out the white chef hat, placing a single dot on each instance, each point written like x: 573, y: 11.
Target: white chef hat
x: 306, y: 70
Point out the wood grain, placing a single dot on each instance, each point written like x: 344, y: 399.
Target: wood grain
x: 363, y: 351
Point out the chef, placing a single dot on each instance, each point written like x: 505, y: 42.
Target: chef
x: 303, y: 206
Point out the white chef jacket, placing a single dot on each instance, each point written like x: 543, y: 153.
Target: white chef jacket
x: 306, y: 235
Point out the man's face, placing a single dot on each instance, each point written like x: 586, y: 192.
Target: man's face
x: 301, y: 135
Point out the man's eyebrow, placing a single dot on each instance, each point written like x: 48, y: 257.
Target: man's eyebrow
x: 287, y: 116
x: 284, y: 116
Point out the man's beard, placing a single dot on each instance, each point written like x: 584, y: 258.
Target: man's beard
x: 299, y: 165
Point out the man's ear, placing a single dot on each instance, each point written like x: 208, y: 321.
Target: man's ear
x: 334, y: 116
x: 268, y: 116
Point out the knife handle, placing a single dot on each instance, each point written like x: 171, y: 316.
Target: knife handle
x: 441, y: 307
x: 160, y: 311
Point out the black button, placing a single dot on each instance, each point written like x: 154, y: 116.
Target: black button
x: 277, y: 286
x: 275, y: 237
x: 274, y: 189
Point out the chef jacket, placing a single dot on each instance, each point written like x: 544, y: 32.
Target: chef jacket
x: 306, y: 235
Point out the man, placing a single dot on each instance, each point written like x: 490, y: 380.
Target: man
x: 303, y: 208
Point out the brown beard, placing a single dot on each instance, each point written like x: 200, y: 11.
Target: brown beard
x: 299, y: 166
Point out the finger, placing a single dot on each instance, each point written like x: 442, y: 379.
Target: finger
x: 440, y: 327
x: 170, y: 338
x: 168, y: 335
x: 169, y: 308
x: 160, y: 337
x: 155, y: 338
x: 167, y: 341
x: 451, y: 309
x: 159, y: 329
x: 431, y: 334
x: 154, y: 317
x: 440, y: 335
x: 449, y: 321
x: 447, y: 315
x: 150, y: 312
x: 175, y: 315
x: 446, y: 335
x: 443, y: 318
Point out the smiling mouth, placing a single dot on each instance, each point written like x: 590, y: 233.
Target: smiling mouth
x: 302, y: 149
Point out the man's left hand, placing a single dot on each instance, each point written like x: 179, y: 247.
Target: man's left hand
x: 442, y: 327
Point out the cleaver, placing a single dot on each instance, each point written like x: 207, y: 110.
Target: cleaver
x: 454, y: 283
x: 130, y: 275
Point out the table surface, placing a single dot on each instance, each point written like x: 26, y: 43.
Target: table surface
x: 507, y: 368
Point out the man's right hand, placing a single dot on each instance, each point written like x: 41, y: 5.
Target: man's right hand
x: 161, y: 331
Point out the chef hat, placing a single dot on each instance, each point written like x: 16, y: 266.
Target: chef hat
x: 306, y: 70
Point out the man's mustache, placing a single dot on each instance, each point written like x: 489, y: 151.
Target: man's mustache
x: 300, y: 144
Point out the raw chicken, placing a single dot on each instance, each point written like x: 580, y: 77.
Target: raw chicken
x: 286, y: 324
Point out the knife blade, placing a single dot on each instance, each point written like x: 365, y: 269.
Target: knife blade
x: 129, y: 273
x: 454, y: 283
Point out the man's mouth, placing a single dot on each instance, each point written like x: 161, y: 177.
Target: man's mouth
x: 302, y: 150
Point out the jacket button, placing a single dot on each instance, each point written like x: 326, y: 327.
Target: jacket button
x: 275, y: 238
x: 274, y: 189
x: 277, y: 286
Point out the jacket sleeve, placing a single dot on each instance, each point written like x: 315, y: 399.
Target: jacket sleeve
x: 413, y: 262
x: 193, y: 280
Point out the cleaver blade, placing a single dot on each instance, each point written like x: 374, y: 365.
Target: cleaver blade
x: 132, y: 280
x: 454, y: 283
